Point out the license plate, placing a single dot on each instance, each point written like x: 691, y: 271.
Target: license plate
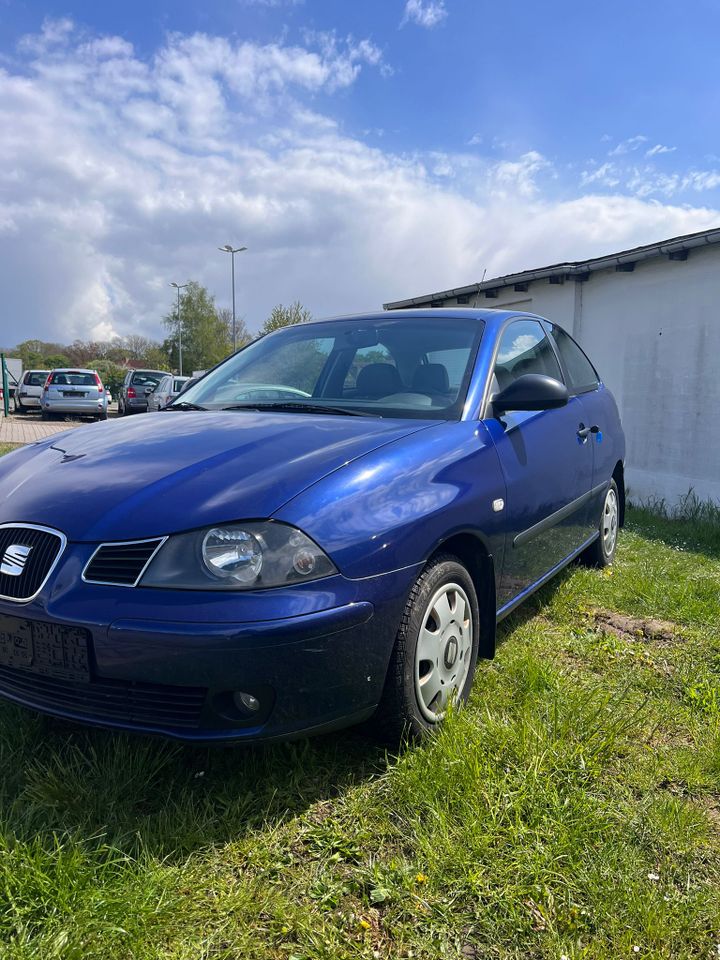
x: 44, y: 648
x: 75, y: 394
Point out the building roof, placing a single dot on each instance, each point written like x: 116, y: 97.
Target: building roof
x: 676, y: 249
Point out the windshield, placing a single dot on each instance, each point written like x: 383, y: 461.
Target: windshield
x: 391, y: 367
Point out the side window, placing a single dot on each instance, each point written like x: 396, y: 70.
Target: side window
x: 524, y: 348
x: 582, y: 375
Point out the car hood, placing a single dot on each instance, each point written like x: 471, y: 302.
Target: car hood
x: 165, y: 472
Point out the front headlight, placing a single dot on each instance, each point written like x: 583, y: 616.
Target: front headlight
x: 237, y: 556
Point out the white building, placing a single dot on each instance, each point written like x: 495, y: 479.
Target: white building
x: 648, y: 319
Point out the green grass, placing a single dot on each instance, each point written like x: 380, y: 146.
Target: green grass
x: 572, y: 809
x: 7, y: 447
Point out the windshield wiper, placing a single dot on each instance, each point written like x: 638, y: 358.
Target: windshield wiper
x: 290, y: 406
x: 184, y: 405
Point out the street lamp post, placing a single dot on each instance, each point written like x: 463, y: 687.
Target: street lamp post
x: 179, y: 287
x: 228, y: 248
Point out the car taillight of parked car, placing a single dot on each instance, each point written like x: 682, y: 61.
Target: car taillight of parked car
x: 98, y: 381
x: 47, y: 383
x: 131, y: 393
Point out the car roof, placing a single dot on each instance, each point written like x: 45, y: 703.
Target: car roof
x: 72, y: 370
x: 490, y: 317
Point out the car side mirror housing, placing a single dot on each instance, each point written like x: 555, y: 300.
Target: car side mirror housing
x: 532, y: 391
x: 148, y: 390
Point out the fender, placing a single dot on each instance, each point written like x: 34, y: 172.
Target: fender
x: 392, y: 508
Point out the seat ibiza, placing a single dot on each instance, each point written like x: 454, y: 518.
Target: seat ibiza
x: 245, y: 568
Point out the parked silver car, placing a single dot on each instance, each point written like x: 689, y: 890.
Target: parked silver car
x: 74, y: 391
x: 29, y: 392
x: 168, y: 388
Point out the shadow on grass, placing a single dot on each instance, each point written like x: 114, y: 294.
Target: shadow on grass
x: 143, y: 794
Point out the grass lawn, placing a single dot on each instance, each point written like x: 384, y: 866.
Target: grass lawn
x: 573, y: 809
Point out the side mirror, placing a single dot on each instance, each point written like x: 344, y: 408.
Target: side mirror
x: 533, y: 391
x: 148, y: 390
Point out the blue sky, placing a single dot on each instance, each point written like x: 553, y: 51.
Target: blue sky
x: 362, y: 151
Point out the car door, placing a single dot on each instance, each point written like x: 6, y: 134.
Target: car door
x: 601, y: 415
x: 546, y: 464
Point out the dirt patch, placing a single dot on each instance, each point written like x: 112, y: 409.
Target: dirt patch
x: 660, y: 632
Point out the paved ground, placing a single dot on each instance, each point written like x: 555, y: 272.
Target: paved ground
x: 26, y: 428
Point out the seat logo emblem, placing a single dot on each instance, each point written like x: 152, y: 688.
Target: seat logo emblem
x: 14, y: 559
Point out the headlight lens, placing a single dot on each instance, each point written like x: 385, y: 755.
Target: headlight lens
x: 237, y: 556
x: 230, y: 552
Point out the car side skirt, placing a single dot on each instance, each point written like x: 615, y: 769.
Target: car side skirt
x: 516, y: 601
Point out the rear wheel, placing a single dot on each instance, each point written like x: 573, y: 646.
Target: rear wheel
x: 46, y: 416
x: 19, y: 408
x: 601, y: 551
x: 435, y: 654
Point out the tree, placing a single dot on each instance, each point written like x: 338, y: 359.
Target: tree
x: 243, y: 336
x: 281, y: 316
x: 205, y: 339
x: 111, y: 374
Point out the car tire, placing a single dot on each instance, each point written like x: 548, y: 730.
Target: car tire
x: 19, y: 408
x: 601, y: 551
x: 101, y: 416
x: 45, y: 415
x: 435, y: 653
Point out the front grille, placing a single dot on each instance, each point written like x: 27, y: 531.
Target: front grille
x: 27, y: 556
x: 121, y: 563
x: 114, y: 701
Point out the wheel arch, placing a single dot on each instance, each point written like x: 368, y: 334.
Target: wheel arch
x: 472, y: 551
x: 618, y: 476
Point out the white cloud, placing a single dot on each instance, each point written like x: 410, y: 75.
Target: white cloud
x: 606, y: 175
x: 658, y: 149
x: 628, y: 146
x: 425, y: 13
x: 519, y: 176
x: 119, y: 173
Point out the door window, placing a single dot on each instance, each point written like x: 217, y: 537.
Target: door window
x: 582, y: 375
x: 524, y: 348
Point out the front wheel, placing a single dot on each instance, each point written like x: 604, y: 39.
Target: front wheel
x: 601, y: 551
x: 435, y: 654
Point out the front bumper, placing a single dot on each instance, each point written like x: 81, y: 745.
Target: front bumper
x: 314, y: 657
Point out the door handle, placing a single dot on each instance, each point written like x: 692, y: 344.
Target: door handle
x: 584, y: 432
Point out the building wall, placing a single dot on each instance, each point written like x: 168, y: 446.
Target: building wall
x: 654, y: 335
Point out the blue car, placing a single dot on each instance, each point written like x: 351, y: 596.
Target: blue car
x: 245, y: 568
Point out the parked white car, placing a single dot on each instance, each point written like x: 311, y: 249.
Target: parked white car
x: 168, y: 388
x: 29, y: 392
